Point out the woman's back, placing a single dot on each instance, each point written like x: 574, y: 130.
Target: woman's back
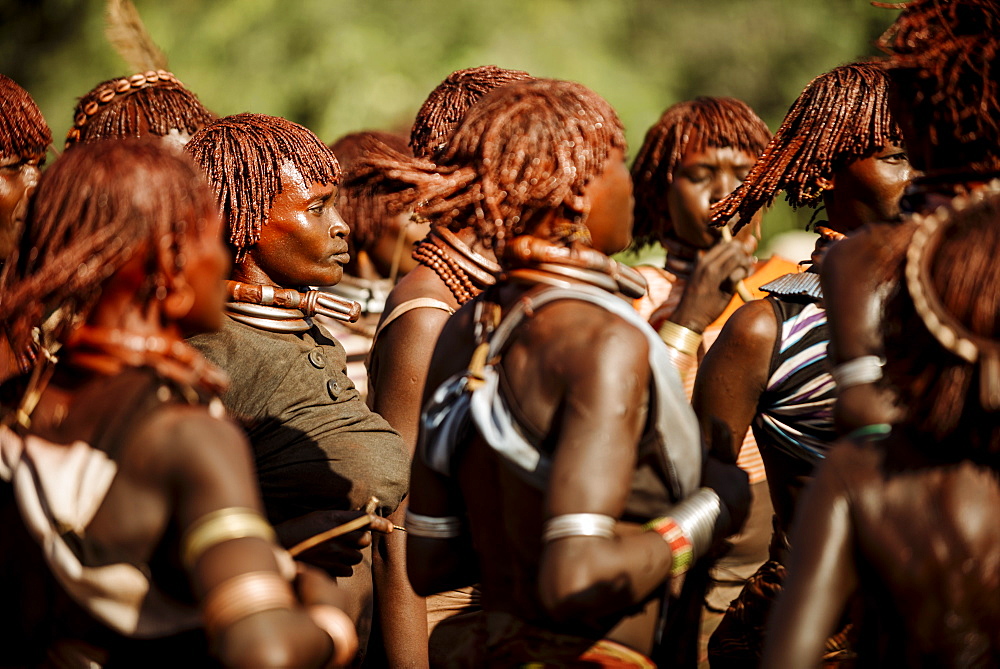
x: 930, y: 538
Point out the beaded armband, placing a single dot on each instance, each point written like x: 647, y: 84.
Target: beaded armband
x: 432, y: 527
x: 694, y: 519
x: 220, y: 526
x: 680, y: 545
x: 578, y: 525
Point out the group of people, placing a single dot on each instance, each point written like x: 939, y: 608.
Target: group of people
x: 392, y: 402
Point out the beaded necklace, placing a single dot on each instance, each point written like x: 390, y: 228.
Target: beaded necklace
x: 465, y: 272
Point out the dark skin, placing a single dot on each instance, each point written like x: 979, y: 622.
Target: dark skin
x: 918, y: 539
x: 734, y: 372
x: 304, y: 243
x: 702, y: 179
x: 166, y: 475
x: 398, y: 369
x: 18, y: 176
x: 582, y: 402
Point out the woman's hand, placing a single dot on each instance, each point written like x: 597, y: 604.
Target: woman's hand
x: 338, y: 555
x: 712, y: 285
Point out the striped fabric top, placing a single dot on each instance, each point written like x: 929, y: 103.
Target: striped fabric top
x: 662, y: 297
x: 795, y: 412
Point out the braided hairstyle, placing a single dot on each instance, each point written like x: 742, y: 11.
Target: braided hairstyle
x: 692, y: 126
x: 840, y: 117
x: 939, y: 390
x: 23, y: 131
x: 366, y: 210
x: 447, y: 104
x: 153, y: 102
x: 242, y: 157
x: 944, y: 65
x: 524, y: 149
x: 94, y: 209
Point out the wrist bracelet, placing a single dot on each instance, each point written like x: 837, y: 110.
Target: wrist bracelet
x: 695, y: 517
x: 340, y: 628
x: 578, y: 525
x: 866, y: 369
x: 680, y: 338
x: 681, y: 550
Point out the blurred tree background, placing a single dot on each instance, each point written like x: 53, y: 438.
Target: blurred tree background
x: 338, y: 66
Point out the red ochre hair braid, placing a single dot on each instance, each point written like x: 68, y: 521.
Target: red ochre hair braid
x: 447, y: 104
x: 691, y: 126
x: 242, y: 157
x: 23, y: 131
x: 366, y: 210
x: 523, y: 149
x: 153, y: 102
x: 944, y: 59
x: 840, y: 117
x: 94, y: 209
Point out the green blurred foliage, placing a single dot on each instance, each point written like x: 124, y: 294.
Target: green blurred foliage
x: 338, y: 66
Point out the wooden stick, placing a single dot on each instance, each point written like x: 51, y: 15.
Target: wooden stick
x: 313, y: 541
x: 334, y: 532
x: 741, y: 288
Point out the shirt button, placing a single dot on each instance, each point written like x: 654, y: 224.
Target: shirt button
x: 317, y: 359
x: 334, y: 388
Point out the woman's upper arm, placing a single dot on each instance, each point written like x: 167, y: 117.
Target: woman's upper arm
x: 404, y: 351
x: 822, y: 573
x: 733, y: 374
x: 603, y: 412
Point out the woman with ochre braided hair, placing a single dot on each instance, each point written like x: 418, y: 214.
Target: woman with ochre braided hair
x: 147, y: 103
x: 24, y: 141
x: 135, y: 544
x: 909, y: 523
x: 944, y: 91
x: 692, y: 157
x: 452, y: 267
x: 381, y: 243
x: 580, y: 431
x: 768, y: 368
x: 321, y: 456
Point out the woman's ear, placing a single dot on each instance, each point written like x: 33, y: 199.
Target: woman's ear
x: 826, y: 184
x: 179, y: 300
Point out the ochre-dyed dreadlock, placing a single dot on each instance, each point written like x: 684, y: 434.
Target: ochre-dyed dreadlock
x: 94, y: 209
x: 943, y: 60
x: 23, y: 131
x: 940, y: 390
x: 692, y: 126
x: 153, y: 102
x: 525, y: 148
x: 447, y: 104
x: 242, y: 157
x: 366, y: 210
x: 840, y: 117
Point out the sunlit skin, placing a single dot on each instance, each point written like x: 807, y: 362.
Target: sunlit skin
x: 581, y: 379
x: 390, y: 250
x: 868, y: 190
x: 702, y: 179
x: 18, y: 176
x: 304, y: 240
x: 207, y: 260
x: 610, y: 217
